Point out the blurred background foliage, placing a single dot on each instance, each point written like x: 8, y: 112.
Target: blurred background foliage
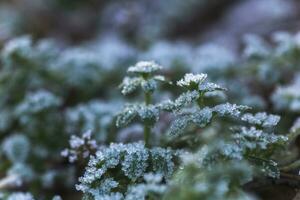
x: 62, y: 61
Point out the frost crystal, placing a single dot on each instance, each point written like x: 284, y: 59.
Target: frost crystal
x: 80, y: 147
x: 228, y: 109
x: 261, y: 119
x: 210, y: 87
x: 149, y: 114
x: 141, y: 191
x: 186, y: 98
x: 144, y: 67
x: 133, y: 160
x: 192, y: 79
x: 129, y: 85
x: 127, y: 115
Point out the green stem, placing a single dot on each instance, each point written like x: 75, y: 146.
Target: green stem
x: 147, y: 129
x: 148, y: 98
x: 200, y: 101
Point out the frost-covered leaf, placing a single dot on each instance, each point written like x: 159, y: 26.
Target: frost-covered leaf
x: 261, y: 119
x: 222, y: 181
x: 228, y: 109
x: 210, y: 87
x: 179, y: 125
x: 255, y: 139
x: 153, y: 186
x: 144, y: 67
x: 132, y: 160
x: 149, y: 85
x: 127, y: 115
x: 192, y: 80
x: 149, y: 114
x: 202, y: 117
x: 80, y: 147
x: 129, y: 85
x: 186, y: 98
x: 162, y: 161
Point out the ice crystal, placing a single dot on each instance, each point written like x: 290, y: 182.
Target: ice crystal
x: 129, y: 85
x: 80, y: 147
x: 144, y: 67
x: 127, y: 115
x: 196, y: 182
x: 152, y: 186
x: 261, y: 119
x: 186, y: 98
x: 228, y: 109
x: 133, y: 160
x: 210, y: 87
x: 192, y: 79
x: 198, y: 117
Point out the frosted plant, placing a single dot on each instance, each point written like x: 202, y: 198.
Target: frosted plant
x: 79, y: 67
x: 287, y: 97
x: 80, y: 147
x: 250, y: 137
x: 20, y: 196
x: 37, y: 109
x: 171, y: 55
x: 190, y: 107
x: 95, y: 115
x: 286, y: 42
x: 145, y: 79
x: 222, y: 182
x: 120, y: 166
x: 212, y: 58
x: 251, y: 144
x: 152, y: 188
x: 261, y: 119
x: 192, y: 80
x: 38, y: 101
x: 256, y: 47
x: 16, y: 148
x: 19, y: 46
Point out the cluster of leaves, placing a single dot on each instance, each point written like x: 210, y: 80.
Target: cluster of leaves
x: 49, y: 93
x: 120, y: 171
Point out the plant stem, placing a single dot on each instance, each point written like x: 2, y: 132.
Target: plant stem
x: 200, y: 101
x: 147, y: 128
